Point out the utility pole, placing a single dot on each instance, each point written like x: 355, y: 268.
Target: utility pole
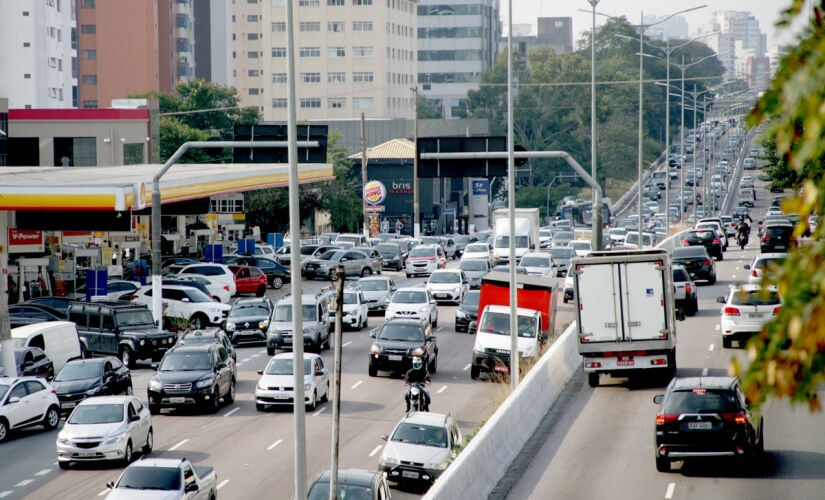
x: 336, y: 383
x: 416, y: 211
x: 641, y: 69
x: 364, y: 178
x: 5, y: 325
x: 511, y: 200
x: 596, y: 238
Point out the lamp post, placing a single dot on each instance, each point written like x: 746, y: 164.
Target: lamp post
x: 596, y: 237
x: 511, y: 195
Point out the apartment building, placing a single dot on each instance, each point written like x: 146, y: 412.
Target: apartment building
x: 352, y: 56
x: 738, y: 33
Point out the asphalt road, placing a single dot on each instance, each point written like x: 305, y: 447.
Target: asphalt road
x: 251, y: 451
x: 604, y: 437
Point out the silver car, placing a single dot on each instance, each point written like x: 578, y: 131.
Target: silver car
x: 355, y: 264
x: 538, y: 264
x: 378, y: 291
x: 105, y: 428
x: 420, y: 447
x: 474, y: 269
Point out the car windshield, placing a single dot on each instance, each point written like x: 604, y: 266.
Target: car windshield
x: 445, y: 278
x: 79, y: 371
x: 685, y: 252
x: 535, y: 261
x: 562, y: 253
x: 473, y: 265
x: 197, y: 337
x: 499, y: 324
x: 150, y: 478
x: 420, y: 434
x: 563, y: 235
x: 248, y: 310
x: 764, y: 263
x: 420, y: 251
x: 135, y: 318
x: 97, y: 414
x: 754, y: 298
x: 350, y: 298
x: 471, y: 299
x: 580, y: 245
x: 700, y: 401
x: 475, y: 248
x: 387, y: 249
x: 348, y: 239
x: 284, y: 313
x: 407, y: 333
x: 374, y: 285
x: 329, y: 255
x: 283, y: 366
x: 308, y: 250
x: 410, y: 297
x: 504, y: 242
x: 4, y: 388
x: 186, y: 361
x: 320, y: 491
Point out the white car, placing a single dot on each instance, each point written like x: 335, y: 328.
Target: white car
x: 569, y: 290
x: 412, y: 302
x: 276, y: 384
x: 105, y: 428
x: 188, y: 303
x: 216, y: 288
x: 424, y: 259
x: 581, y: 247
x: 114, y: 289
x: 545, y: 238
x: 26, y: 402
x: 448, y: 285
x: 746, y: 311
x: 477, y: 251
x: 762, y: 261
x: 538, y: 264
x: 355, y: 310
x: 617, y: 235
x: 220, y: 272
x: 377, y: 291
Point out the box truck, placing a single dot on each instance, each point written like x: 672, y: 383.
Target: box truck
x: 526, y: 229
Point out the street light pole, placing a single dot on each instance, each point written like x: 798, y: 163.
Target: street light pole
x: 511, y: 195
x: 667, y: 139
x: 416, y: 221
x: 641, y: 79
x: 596, y: 237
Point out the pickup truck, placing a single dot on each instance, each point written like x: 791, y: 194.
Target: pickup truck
x: 165, y: 478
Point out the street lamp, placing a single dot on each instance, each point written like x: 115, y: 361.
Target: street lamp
x: 596, y: 237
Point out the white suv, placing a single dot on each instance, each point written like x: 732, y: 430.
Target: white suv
x: 761, y: 262
x: 25, y: 402
x: 219, y: 272
x: 412, y: 303
x: 188, y: 303
x: 420, y: 447
x: 746, y: 311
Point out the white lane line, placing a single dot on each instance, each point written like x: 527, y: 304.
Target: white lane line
x: 181, y: 443
x: 23, y: 483
x: 376, y: 450
x: 319, y: 412
x: 222, y: 483
x: 256, y: 354
x: 466, y: 367
x: 4, y: 494
x: 346, y: 343
x: 710, y: 347
x: 43, y: 472
x: 104, y: 492
x: 669, y: 491
x: 356, y: 384
x: 717, y: 328
x: 705, y: 371
x: 443, y: 388
x: 734, y: 276
x: 245, y: 360
x: 232, y: 411
x: 439, y: 328
x: 276, y: 443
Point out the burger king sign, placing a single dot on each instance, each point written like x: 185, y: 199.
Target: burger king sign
x: 375, y: 192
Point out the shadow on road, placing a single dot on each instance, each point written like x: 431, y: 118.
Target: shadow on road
x: 776, y: 464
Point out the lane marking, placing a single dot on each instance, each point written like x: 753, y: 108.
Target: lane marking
x: 256, y: 354
x: 443, y: 388
x: 710, y: 347
x: 43, y: 472
x: 704, y: 371
x: 376, y: 450
x: 276, y: 443
x: 4, y: 494
x: 346, y: 343
x: 222, y: 483
x: 245, y: 360
x: 717, y: 328
x: 319, y: 412
x: 104, y: 492
x: 356, y: 384
x: 232, y: 411
x: 439, y: 328
x: 734, y: 276
x: 181, y: 443
x: 669, y: 491
x: 23, y: 483
x: 466, y: 367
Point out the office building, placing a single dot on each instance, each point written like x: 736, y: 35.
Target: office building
x: 556, y: 33
x: 738, y: 33
x: 674, y: 27
x: 213, y: 41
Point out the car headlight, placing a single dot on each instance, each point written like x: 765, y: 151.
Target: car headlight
x: 307, y: 386
x: 116, y: 438
x: 93, y: 391
x: 63, y: 440
x: 477, y: 347
x: 455, y: 289
x: 172, y: 340
x: 155, y: 385
x: 204, y: 383
x: 436, y: 465
x: 422, y: 309
x: 309, y: 329
x: 230, y: 326
x: 375, y: 349
x: 391, y: 461
x: 142, y: 341
x: 263, y: 324
x: 460, y: 314
x: 418, y: 351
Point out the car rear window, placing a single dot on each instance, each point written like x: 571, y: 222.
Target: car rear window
x: 755, y: 298
x: 700, y: 401
x: 778, y: 231
x: 685, y: 252
x: 679, y: 275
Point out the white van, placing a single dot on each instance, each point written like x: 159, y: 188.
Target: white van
x: 58, y: 339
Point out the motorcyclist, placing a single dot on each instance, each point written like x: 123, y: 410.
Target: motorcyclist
x: 743, y: 231
x: 417, y: 374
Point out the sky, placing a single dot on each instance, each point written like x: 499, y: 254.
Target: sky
x: 765, y: 11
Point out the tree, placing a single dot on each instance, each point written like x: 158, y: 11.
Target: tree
x: 788, y: 356
x: 427, y: 109
x: 341, y: 197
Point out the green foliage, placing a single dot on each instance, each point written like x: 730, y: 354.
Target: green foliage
x: 341, y: 197
x: 428, y: 109
x: 174, y: 132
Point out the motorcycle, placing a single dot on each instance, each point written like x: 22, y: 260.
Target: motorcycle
x: 742, y: 239
x: 418, y: 401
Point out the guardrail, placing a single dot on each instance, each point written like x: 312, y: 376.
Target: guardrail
x: 737, y: 174
x: 626, y: 200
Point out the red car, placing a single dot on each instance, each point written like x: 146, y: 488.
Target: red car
x: 249, y: 279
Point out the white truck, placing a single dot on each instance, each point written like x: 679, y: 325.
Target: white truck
x: 165, y: 478
x: 625, y: 314
x: 527, y: 233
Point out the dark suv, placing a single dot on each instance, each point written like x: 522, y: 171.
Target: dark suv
x: 706, y: 238
x: 123, y: 329
x: 705, y: 417
x: 398, y: 341
x: 697, y: 262
x: 193, y: 375
x: 776, y: 237
x: 248, y: 320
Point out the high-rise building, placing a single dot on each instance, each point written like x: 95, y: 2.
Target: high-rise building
x: 674, y: 27
x: 352, y: 56
x: 213, y: 41
x: 457, y: 41
x: 556, y: 33
x: 732, y: 27
x: 37, y: 66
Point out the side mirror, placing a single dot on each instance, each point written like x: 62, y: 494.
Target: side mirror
x: 658, y: 398
x: 221, y: 365
x: 372, y: 334
x: 721, y: 300
x: 384, y: 437
x: 110, y: 485
x: 321, y: 372
x: 260, y: 372
x: 191, y: 487
x: 134, y: 418
x: 431, y: 338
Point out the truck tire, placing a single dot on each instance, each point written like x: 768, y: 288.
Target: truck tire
x: 662, y: 464
x: 474, y: 372
x: 593, y: 379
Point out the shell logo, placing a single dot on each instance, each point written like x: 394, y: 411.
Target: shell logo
x: 374, y: 192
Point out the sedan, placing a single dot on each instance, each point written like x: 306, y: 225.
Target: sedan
x: 413, y: 303
x: 398, y: 341
x: 391, y: 255
x: 276, y: 273
x: 696, y: 262
x: 448, y: 285
x: 83, y: 378
x: 467, y: 311
x: 747, y: 308
x: 706, y: 238
x: 477, y: 251
x: 275, y: 387
x: 105, y: 428
x: 538, y: 264
x: 376, y: 259
x: 26, y: 314
x: 762, y: 262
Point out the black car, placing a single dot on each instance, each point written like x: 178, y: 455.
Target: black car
x: 706, y: 238
x: 467, y: 311
x: 398, y: 341
x: 31, y: 362
x: 83, y: 378
x: 209, y: 336
x: 697, y: 262
x: 248, y: 320
x: 26, y: 314
x: 276, y: 273
x: 57, y: 303
x: 705, y: 417
x: 193, y: 375
x: 391, y: 254
x: 361, y: 484
x: 776, y: 237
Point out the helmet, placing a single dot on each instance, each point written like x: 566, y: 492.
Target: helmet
x: 416, y: 362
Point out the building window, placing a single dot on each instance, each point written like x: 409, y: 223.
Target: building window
x: 279, y: 102
x: 278, y: 77
x: 463, y: 32
x: 309, y: 3
x: 60, y: 64
x: 252, y: 18
x: 336, y: 52
x: 335, y: 3
x: 90, y: 79
x: 251, y: 36
x: 310, y: 77
x: 336, y: 77
x: 310, y: 52
x: 251, y: 1
x: 278, y: 51
x: 279, y: 27
x: 362, y: 51
x: 278, y: 3
x: 88, y: 29
x: 74, y: 68
x: 362, y: 102
x: 336, y: 102
x: 254, y: 72
x: 361, y: 2
x: 310, y: 26
x: 133, y: 154
x: 362, y: 76
x: 89, y: 104
x: 88, y: 54
x: 27, y: 76
x: 335, y: 26
x: 362, y: 26
x: 87, y: 4
x: 252, y: 54
x: 25, y: 13
x: 311, y: 102
x: 27, y: 44
x: 253, y: 91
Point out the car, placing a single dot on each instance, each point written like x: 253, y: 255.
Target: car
x: 315, y: 317
x: 545, y: 238
x: 776, y: 237
x: 707, y: 238
x: 412, y: 302
x: 813, y: 220
x: 705, y: 417
x: 276, y: 273
x: 467, y: 311
x: 424, y: 259
x: 762, y: 262
x: 249, y: 279
x: 108, y: 428
x: 569, y: 292
x: 31, y: 362
x: 193, y: 375
x: 210, y: 336
x: 448, y: 285
x: 616, y: 235
x: 259, y: 250
x: 561, y: 258
x: 275, y: 387
x: 538, y: 264
x: 474, y: 270
x: 355, y: 309
x: 391, y: 255
x: 167, y: 478
x: 420, y: 447
x: 376, y: 260
x: 397, y: 341
x: 213, y: 288
x: 377, y: 291
x: 747, y: 308
x: 187, y: 304
x: 220, y: 272
x: 307, y: 252
x: 721, y: 228
x: 477, y: 251
x: 27, y: 402
x: 359, y: 484
x: 746, y: 181
x: 60, y: 304
x: 730, y: 225
x: 248, y: 320
x: 581, y: 247
x: 432, y: 240
x: 684, y: 294
x: 114, y: 289
x: 505, y: 268
x: 632, y: 239
x: 26, y: 314
x: 562, y: 238
x: 696, y: 261
x: 326, y: 266
x: 356, y: 239
x: 82, y: 378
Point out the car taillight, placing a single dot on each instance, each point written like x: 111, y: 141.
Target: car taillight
x: 737, y: 418
x: 132, y: 297
x: 776, y: 310
x: 706, y: 262
x: 715, y: 240
x: 685, y: 242
x: 226, y: 287
x: 663, y: 419
x: 687, y: 288
x: 731, y: 311
x: 765, y: 238
x: 753, y: 273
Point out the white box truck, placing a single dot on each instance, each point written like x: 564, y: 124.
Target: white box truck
x: 625, y: 313
x: 527, y: 233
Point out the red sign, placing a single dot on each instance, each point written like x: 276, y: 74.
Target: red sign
x: 374, y: 208
x: 17, y: 237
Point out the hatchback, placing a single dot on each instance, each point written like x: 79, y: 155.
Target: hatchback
x: 377, y: 291
x: 276, y: 387
x: 413, y: 303
x: 424, y: 259
x: 27, y: 402
x: 221, y: 272
x: 249, y: 279
x: 706, y: 238
x: 420, y: 447
x: 777, y: 237
x: 360, y: 484
x: 448, y: 285
x: 762, y: 262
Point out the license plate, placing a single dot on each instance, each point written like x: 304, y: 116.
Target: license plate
x: 86, y: 454
x: 441, y: 295
x: 409, y: 474
x: 177, y: 400
x: 780, y: 247
x: 288, y: 341
x: 625, y: 362
x: 500, y: 368
x: 68, y: 405
x: 700, y: 426
x: 754, y: 315
x: 281, y: 396
x: 395, y: 357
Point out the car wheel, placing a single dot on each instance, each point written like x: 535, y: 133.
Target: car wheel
x: 127, y: 455
x: 726, y: 342
x: 662, y: 464
x: 150, y: 442
x: 373, y: 372
x: 260, y: 407
x: 474, y: 372
x: 63, y: 464
x: 366, y: 321
x: 277, y: 283
x: 593, y: 379
x: 126, y: 356
x: 129, y: 390
x: 270, y: 351
x: 154, y: 409
x: 215, y: 404
x: 434, y: 364
x: 325, y: 397
x: 325, y: 344
x: 52, y: 418
x: 230, y: 396
x: 366, y: 272
x: 260, y: 291
x: 435, y: 323
x: 409, y: 275
x: 712, y: 279
x: 694, y: 308
x: 313, y: 402
x: 198, y: 321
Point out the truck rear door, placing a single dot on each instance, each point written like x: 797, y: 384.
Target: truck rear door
x: 644, y: 313
x: 598, y: 297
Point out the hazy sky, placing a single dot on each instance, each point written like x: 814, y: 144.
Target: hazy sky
x: 765, y: 11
